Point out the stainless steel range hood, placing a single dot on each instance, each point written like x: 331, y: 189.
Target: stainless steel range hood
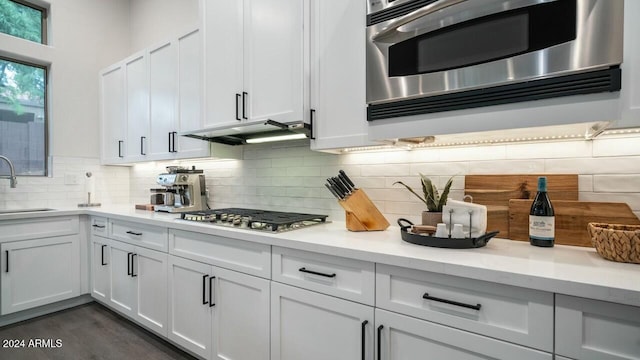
x: 252, y: 132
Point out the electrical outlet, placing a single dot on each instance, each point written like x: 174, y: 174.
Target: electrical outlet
x: 71, y: 179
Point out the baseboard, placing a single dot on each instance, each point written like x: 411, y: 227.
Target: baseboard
x: 44, y: 310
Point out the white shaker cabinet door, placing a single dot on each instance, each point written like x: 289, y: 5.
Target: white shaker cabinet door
x: 137, y: 90
x: 338, y: 73
x: 113, y: 114
x: 150, y: 269
x: 123, y: 283
x: 274, y: 59
x: 405, y: 338
x: 189, y: 307
x: 223, y: 31
x: 100, y: 268
x: 240, y: 316
x: 163, y: 79
x: 312, y: 326
x: 39, y: 272
x: 589, y: 329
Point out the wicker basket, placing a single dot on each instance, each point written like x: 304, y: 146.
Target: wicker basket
x: 616, y: 242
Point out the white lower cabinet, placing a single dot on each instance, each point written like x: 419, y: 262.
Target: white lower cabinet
x: 596, y: 330
x: 313, y: 326
x: 100, y: 268
x: 218, y: 313
x: 139, y: 284
x: 405, y: 338
x: 39, y: 271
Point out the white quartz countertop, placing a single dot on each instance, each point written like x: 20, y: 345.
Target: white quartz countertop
x: 562, y: 269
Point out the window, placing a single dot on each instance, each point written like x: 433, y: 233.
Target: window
x: 22, y: 20
x: 23, y: 115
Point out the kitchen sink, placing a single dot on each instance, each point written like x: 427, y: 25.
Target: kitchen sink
x: 18, y: 211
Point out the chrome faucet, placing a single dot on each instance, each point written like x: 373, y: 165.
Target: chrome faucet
x: 12, y: 178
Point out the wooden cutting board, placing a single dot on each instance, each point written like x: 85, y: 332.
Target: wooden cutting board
x: 572, y: 218
x: 495, y: 191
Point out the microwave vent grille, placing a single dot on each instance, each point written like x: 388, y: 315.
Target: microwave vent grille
x: 607, y: 80
x: 396, y: 11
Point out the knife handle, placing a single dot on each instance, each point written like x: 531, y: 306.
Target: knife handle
x: 344, y: 174
x: 333, y: 191
x: 340, y: 185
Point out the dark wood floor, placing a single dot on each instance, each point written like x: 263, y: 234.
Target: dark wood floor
x: 89, y: 331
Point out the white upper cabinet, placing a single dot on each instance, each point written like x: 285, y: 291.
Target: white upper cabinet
x: 254, y: 61
x: 137, y: 99
x: 112, y: 114
x: 338, y: 78
x: 149, y: 98
x: 630, y: 97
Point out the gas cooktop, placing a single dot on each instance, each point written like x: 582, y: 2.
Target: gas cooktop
x: 263, y: 220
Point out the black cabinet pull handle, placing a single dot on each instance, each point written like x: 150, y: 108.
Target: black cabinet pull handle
x: 102, y: 255
x: 364, y: 324
x: 7, y: 264
x: 120, y: 148
x: 211, y: 294
x: 170, y: 142
x: 133, y: 265
x: 98, y: 226
x: 312, y: 117
x: 134, y: 233
x: 142, y: 139
x: 173, y: 136
x: 204, y: 289
x: 380, y: 341
x: 237, y: 106
x: 244, y: 104
x: 316, y: 273
x: 129, y: 271
x: 451, y: 302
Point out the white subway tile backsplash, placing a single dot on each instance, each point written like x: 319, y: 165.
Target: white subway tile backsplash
x: 585, y: 182
x: 551, y: 150
x: 601, y: 165
x: 507, y: 167
x: 632, y: 199
x: 444, y: 168
x: 491, y: 152
x: 385, y: 170
x: 617, y: 183
x: 624, y: 146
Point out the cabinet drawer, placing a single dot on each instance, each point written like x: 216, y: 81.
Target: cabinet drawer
x: 34, y: 228
x: 244, y: 256
x: 518, y: 315
x: 346, y: 278
x: 152, y: 237
x: 591, y: 329
x: 99, y: 226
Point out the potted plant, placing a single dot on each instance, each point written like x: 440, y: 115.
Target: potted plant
x: 432, y: 198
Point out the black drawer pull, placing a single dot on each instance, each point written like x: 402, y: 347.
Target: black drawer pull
x: 133, y: 265
x: 238, y: 105
x: 204, y: 289
x: 316, y: 273
x: 211, y: 294
x: 102, y: 255
x: 7, y: 264
x: 380, y: 341
x: 364, y: 328
x: 451, y: 302
x: 134, y: 233
x: 129, y: 271
x: 98, y: 226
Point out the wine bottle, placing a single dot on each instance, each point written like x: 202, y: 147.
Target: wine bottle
x: 542, y: 229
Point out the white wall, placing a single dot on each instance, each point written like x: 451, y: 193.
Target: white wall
x: 153, y: 21
x: 86, y: 36
x: 290, y: 177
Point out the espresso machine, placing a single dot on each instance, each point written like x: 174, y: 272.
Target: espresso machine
x: 187, y: 187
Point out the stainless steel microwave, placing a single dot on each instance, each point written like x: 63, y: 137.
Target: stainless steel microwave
x: 426, y: 56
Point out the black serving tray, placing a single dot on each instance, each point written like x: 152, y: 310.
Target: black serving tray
x: 450, y: 243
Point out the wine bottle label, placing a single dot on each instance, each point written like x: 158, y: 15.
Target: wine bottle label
x: 542, y: 227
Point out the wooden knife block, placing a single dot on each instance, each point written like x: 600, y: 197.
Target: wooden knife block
x: 362, y: 214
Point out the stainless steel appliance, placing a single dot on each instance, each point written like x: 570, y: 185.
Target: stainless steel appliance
x: 185, y: 190
x: 426, y: 56
x: 252, y: 219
